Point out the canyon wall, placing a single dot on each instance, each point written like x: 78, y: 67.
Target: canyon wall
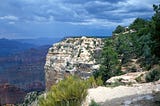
x: 72, y: 56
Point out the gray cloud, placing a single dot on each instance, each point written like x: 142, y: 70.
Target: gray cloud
x: 99, y: 14
x: 76, y: 10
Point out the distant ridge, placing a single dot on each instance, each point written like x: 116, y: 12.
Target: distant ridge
x: 88, y: 36
x: 103, y: 37
x: 9, y: 47
x: 39, y: 41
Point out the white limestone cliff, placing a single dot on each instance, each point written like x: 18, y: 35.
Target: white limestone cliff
x: 72, y: 56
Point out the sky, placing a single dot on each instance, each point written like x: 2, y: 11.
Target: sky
x: 61, y: 18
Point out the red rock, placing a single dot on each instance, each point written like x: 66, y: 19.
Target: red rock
x: 10, y: 94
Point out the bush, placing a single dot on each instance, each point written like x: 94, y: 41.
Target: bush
x: 91, y: 82
x: 93, y: 103
x: 68, y: 92
x: 153, y: 75
x: 99, y: 81
x: 119, y: 29
x: 94, y: 82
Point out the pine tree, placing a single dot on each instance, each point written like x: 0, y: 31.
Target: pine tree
x: 156, y: 30
x: 109, y: 62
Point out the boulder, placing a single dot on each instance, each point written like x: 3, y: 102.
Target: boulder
x: 126, y: 78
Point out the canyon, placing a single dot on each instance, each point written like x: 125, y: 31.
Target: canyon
x: 21, y: 70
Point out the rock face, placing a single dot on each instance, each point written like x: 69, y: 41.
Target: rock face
x: 72, y: 56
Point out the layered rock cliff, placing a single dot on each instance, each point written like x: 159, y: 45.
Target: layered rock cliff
x: 72, y: 56
x: 21, y: 73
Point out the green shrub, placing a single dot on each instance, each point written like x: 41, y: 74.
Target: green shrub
x: 153, y: 75
x: 109, y: 63
x: 99, y: 81
x: 91, y: 82
x: 93, y: 103
x: 68, y: 92
x: 94, y: 82
x: 119, y: 29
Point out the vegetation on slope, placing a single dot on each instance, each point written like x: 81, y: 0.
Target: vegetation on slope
x: 141, y: 40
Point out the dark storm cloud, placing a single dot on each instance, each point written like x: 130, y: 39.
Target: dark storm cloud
x: 75, y: 10
x: 87, y: 13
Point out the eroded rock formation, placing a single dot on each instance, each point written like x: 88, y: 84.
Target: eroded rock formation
x: 72, y: 56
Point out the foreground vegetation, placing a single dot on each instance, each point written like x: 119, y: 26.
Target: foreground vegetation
x: 68, y: 92
x: 71, y: 91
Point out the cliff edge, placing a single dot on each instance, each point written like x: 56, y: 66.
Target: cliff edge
x: 72, y: 56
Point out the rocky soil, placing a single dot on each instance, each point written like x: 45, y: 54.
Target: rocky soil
x: 146, y: 94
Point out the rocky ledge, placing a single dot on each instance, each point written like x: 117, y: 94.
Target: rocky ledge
x: 145, y: 94
x: 72, y: 56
